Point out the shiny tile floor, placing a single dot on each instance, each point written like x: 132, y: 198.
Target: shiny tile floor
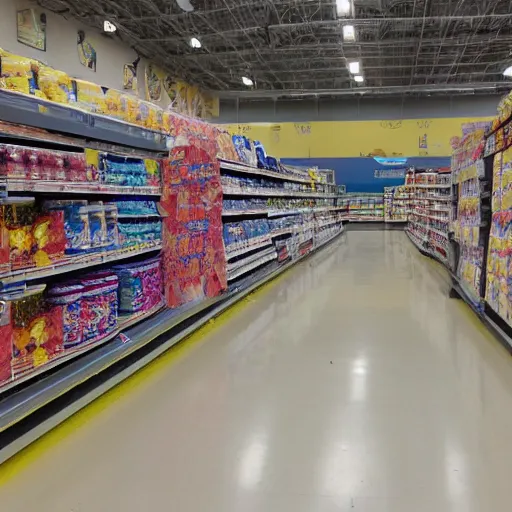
x: 352, y: 383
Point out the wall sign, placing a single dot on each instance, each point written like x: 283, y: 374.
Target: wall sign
x: 389, y: 173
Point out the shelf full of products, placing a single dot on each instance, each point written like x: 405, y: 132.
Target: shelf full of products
x: 471, y: 214
x: 263, y: 233
x: 430, y: 207
x: 397, y: 203
x: 363, y: 207
x: 84, y: 263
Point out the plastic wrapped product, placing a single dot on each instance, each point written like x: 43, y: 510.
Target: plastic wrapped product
x: 140, y: 285
x: 112, y: 225
x: 76, y: 223
x: 56, y: 85
x: 99, y: 305
x: 69, y: 296
x: 90, y: 96
x: 37, y: 333
x: 19, y: 74
x: 98, y: 226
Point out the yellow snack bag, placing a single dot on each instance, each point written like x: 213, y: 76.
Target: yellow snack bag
x: 90, y: 97
x: 56, y: 85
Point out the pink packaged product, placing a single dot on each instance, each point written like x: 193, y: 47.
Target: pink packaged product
x: 69, y: 296
x: 99, y: 305
x: 140, y: 285
x: 27, y: 163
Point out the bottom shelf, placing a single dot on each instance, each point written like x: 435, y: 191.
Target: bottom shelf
x: 426, y: 251
x: 81, y: 374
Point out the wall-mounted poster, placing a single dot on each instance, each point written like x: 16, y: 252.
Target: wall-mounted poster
x: 130, y: 77
x: 86, y: 51
x: 31, y: 25
x: 153, y: 84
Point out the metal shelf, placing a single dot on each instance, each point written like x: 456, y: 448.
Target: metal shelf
x: 227, y: 165
x: 67, y: 187
x: 254, y: 243
x: 73, y: 263
x: 28, y: 110
x: 276, y: 192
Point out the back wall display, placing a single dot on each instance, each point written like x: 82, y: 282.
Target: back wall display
x: 86, y: 51
x: 334, y: 139
x: 367, y: 174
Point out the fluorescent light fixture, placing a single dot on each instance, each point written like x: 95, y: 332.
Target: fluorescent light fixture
x: 508, y: 71
x: 247, y: 81
x: 109, y: 27
x: 343, y: 7
x: 195, y: 43
x: 349, y: 33
x: 353, y: 67
x: 359, y: 79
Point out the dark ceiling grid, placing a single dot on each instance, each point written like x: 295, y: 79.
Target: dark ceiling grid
x: 293, y: 48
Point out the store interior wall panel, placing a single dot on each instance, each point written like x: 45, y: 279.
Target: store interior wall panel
x: 358, y: 174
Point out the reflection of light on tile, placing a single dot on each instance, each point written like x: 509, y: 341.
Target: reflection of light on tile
x: 359, y: 367
x: 456, y: 476
x: 340, y: 472
x: 252, y: 463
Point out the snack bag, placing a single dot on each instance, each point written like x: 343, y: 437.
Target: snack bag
x: 90, y: 97
x: 56, y: 85
x: 18, y: 73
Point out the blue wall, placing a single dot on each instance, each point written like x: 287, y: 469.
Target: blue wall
x: 358, y: 174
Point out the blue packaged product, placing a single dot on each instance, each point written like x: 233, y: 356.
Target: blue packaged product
x: 98, y: 226
x: 76, y: 223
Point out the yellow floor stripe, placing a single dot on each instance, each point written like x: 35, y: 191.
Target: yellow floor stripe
x: 23, y: 459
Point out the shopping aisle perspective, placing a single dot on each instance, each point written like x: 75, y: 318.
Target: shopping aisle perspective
x: 352, y: 383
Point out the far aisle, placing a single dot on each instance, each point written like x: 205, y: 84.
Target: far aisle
x: 353, y: 383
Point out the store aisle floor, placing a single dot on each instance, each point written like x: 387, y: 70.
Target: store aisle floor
x: 353, y: 383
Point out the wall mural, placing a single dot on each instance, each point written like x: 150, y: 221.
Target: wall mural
x: 86, y: 51
x: 31, y: 28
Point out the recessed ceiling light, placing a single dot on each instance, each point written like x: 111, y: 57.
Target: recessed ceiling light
x: 247, y: 81
x: 349, y: 33
x: 354, y: 67
x: 508, y: 71
x: 185, y: 5
x: 359, y: 79
x: 195, y: 43
x: 109, y: 27
x: 343, y: 7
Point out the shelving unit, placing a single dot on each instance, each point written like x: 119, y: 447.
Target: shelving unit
x: 429, y: 217
x: 471, y: 215
x: 397, y: 203
x: 363, y: 207
x: 300, y: 209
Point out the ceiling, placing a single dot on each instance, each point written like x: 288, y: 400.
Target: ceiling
x: 295, y: 47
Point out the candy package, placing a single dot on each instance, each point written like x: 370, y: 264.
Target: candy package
x: 37, y: 333
x: 140, y: 285
x: 76, y: 223
x: 90, y: 96
x: 99, y: 305
x: 69, y: 297
x: 56, y: 85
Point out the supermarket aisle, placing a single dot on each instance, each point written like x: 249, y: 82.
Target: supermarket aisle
x: 351, y: 384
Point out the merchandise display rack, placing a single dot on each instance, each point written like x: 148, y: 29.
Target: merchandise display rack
x: 298, y: 214
x: 430, y: 210
x: 471, y: 179
x: 299, y: 210
x: 397, y: 203
x: 364, y: 207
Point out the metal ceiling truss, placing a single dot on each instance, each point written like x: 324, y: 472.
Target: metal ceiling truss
x: 295, y: 47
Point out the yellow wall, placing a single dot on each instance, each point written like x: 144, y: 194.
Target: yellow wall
x: 334, y: 139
